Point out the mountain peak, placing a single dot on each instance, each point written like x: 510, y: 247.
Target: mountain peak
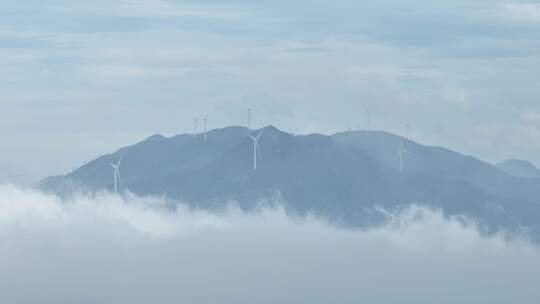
x: 269, y: 129
x: 229, y: 129
x: 519, y: 168
x: 155, y: 138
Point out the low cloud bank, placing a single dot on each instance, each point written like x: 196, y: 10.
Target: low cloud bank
x: 107, y: 249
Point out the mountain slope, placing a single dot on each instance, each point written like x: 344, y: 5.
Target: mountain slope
x: 519, y: 168
x: 438, y: 162
x: 317, y: 174
x: 309, y: 172
x: 154, y: 157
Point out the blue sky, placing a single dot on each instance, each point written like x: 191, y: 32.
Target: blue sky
x: 82, y: 78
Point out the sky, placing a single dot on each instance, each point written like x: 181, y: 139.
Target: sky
x: 108, y: 249
x: 83, y: 78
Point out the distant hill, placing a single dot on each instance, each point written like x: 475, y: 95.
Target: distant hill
x: 344, y: 177
x: 519, y: 168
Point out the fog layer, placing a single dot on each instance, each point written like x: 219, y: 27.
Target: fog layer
x: 107, y: 249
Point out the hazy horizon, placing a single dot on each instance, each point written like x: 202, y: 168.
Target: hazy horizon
x: 82, y: 79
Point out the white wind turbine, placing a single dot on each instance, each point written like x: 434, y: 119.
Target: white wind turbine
x: 205, y: 128
x: 402, y: 151
x: 256, y: 150
x: 408, y: 131
x: 249, y: 119
x: 116, y: 172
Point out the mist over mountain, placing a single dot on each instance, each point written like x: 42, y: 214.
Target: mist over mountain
x: 114, y: 249
x: 343, y: 177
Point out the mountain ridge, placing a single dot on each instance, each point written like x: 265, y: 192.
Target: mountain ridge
x: 519, y: 168
x: 342, y: 176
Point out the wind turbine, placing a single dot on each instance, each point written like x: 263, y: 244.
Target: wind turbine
x: 196, y: 126
x: 368, y: 120
x: 205, y: 129
x: 256, y: 149
x: 249, y: 118
x: 408, y: 131
x: 116, y: 172
x: 401, y: 152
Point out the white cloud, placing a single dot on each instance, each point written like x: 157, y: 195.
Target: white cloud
x: 457, y: 96
x: 110, y: 250
x: 118, y: 72
x: 524, y: 11
x: 531, y: 118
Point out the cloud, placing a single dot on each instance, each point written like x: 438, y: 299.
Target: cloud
x: 115, y: 72
x: 105, y: 249
x: 524, y: 11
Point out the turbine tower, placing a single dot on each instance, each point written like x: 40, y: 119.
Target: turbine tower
x: 116, y: 172
x: 256, y: 150
x: 196, y: 126
x: 249, y: 118
x: 401, y: 158
x: 407, y: 131
x: 368, y: 120
x: 205, y: 129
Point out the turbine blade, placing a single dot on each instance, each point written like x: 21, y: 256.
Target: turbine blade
x: 260, y: 134
x: 120, y: 160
